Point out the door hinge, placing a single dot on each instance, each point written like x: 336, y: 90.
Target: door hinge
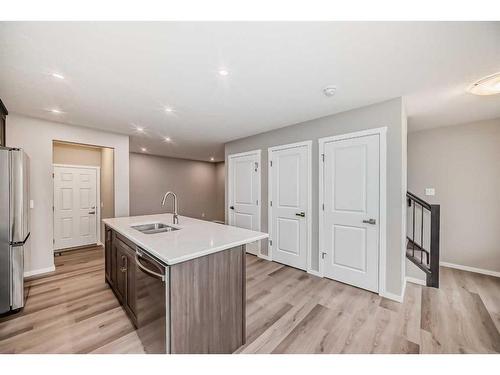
x: 52, y: 174
x: 323, y: 157
x: 53, y: 241
x: 53, y: 209
x: 271, y: 203
x: 257, y: 202
x: 271, y: 163
x: 271, y: 243
x: 323, y: 205
x: 256, y: 166
x: 323, y: 255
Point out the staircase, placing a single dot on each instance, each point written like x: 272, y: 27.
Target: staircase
x: 423, y: 237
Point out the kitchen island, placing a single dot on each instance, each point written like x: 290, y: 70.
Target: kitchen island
x: 182, y: 285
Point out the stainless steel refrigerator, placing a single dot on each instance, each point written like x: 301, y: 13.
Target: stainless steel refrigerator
x: 14, y: 226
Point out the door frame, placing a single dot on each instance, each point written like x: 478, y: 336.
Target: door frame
x: 270, y: 150
x: 382, y: 259
x: 98, y: 198
x: 258, y: 153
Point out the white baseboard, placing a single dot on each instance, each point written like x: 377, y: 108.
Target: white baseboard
x: 392, y: 296
x: 414, y: 280
x: 265, y: 257
x: 314, y: 272
x: 40, y: 271
x: 470, y: 269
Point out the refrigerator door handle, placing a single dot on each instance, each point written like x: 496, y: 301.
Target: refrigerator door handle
x: 19, y: 197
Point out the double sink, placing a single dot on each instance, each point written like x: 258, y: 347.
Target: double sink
x: 154, y: 228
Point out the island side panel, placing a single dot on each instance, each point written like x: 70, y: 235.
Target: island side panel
x: 189, y: 306
x: 226, y: 300
x: 207, y: 303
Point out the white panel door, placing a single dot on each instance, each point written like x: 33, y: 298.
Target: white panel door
x: 289, y: 179
x: 351, y: 211
x: 244, y: 193
x: 75, y: 205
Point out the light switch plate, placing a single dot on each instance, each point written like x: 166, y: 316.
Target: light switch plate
x: 32, y: 204
x: 430, y: 191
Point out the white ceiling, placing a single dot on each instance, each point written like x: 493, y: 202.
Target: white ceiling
x: 124, y: 73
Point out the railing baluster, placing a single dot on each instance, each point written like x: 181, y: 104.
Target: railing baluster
x: 422, y: 234
x: 413, y: 235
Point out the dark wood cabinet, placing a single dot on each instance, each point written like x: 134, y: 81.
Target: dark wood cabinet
x: 3, y: 119
x: 107, y: 254
x: 197, y: 306
x: 130, y: 286
x: 120, y: 271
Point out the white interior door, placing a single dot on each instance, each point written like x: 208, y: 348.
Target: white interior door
x: 289, y: 204
x: 75, y: 207
x: 351, y: 211
x: 244, y: 193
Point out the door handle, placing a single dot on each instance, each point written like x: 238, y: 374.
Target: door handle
x: 370, y: 221
x: 147, y: 270
x: 301, y: 214
x: 91, y: 212
x: 231, y: 207
x: 124, y: 264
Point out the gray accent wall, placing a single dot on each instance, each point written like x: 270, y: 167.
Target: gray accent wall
x: 194, y: 182
x: 388, y: 114
x: 462, y: 163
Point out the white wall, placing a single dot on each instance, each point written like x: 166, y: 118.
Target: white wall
x: 35, y: 137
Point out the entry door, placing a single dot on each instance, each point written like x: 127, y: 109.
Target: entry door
x: 289, y: 197
x: 244, y: 194
x: 351, y: 211
x: 75, y: 202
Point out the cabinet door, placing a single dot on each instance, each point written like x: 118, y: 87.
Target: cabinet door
x: 130, y: 303
x: 121, y: 271
x: 113, y: 262
x: 107, y: 253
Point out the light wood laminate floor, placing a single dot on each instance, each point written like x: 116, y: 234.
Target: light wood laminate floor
x: 288, y: 311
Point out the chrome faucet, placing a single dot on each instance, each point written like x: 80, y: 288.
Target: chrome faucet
x: 176, y: 217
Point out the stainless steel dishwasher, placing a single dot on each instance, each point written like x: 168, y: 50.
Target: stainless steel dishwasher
x: 152, y: 303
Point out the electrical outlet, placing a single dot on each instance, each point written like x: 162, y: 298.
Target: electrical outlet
x: 430, y: 191
x: 202, y: 214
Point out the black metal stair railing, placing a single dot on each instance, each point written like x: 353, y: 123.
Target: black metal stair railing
x: 424, y: 254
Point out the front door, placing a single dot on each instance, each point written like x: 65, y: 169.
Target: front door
x: 350, y: 232
x: 75, y: 207
x: 244, y: 193
x: 289, y: 196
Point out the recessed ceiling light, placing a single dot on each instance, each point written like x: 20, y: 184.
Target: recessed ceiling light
x: 489, y: 85
x: 143, y: 149
x: 139, y: 129
x: 167, y: 139
x: 212, y: 158
x: 56, y: 111
x: 330, y: 90
x: 57, y: 75
x: 168, y: 109
x: 223, y: 72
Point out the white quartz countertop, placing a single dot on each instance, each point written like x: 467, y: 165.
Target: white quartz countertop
x: 195, y: 238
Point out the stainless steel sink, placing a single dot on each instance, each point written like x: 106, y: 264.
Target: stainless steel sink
x: 154, y: 228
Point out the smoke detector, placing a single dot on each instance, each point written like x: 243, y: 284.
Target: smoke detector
x: 330, y: 90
